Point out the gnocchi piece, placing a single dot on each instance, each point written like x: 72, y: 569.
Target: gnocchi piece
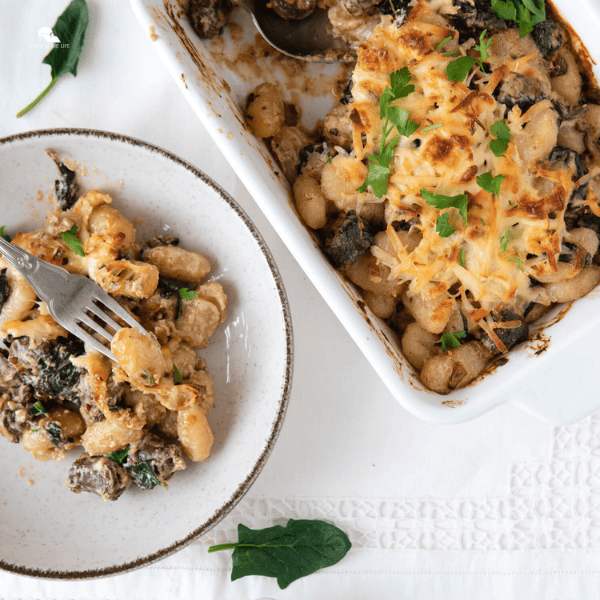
x: 419, y: 345
x: 286, y: 145
x: 310, y: 201
x: 176, y: 263
x: 108, y: 436
x: 265, y: 111
x: 194, y: 433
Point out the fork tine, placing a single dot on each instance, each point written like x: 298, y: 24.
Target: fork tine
x: 115, y: 307
x: 94, y: 308
x: 90, y: 340
x: 83, y: 318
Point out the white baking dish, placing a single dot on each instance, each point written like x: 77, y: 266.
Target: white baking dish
x: 552, y: 376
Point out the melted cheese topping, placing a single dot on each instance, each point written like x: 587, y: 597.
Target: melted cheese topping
x: 507, y: 238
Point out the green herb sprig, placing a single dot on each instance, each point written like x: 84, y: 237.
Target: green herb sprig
x: 38, y: 409
x: 379, y: 164
x: 70, y: 238
x: 177, y: 378
x: 119, y: 456
x: 504, y: 241
x: 502, y: 132
x: 518, y: 261
x: 184, y: 294
x: 525, y: 14
x: 70, y: 28
x: 450, y: 340
x: 287, y: 553
x: 460, y: 201
x: 457, y: 70
x: 150, y: 379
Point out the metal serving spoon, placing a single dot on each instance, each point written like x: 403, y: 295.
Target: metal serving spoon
x: 307, y: 39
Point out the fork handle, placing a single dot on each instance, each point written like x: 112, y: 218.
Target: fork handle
x: 29, y: 265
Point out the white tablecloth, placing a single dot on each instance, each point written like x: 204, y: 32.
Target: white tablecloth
x: 502, y: 507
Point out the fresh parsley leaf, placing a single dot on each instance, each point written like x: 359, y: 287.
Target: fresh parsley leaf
x: 38, y: 409
x: 457, y: 70
x: 186, y: 294
x: 442, y: 225
x: 4, y: 235
x: 459, y: 201
x: 70, y: 238
x: 119, y: 456
x: 490, y: 183
x: 399, y: 84
x: 450, y: 340
x: 504, y: 240
x: 287, y: 553
x: 443, y: 42
x: 329, y: 159
x: 525, y: 14
x: 149, y: 376
x: 461, y: 254
x: 379, y: 170
x: 70, y: 29
x: 483, y: 222
x: 399, y: 117
x: 502, y: 132
x: 177, y: 375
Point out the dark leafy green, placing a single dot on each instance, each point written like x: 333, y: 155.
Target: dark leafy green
x: 4, y: 235
x: 525, y: 14
x: 4, y: 289
x: 143, y: 476
x: 287, y: 553
x: 70, y: 29
x: 54, y: 433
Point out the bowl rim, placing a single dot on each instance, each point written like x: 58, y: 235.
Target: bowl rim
x: 244, y: 487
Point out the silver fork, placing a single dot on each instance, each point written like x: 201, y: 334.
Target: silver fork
x: 69, y: 297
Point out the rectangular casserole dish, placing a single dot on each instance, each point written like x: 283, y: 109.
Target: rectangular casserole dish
x: 550, y: 376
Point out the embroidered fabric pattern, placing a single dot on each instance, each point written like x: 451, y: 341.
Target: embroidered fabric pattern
x: 553, y: 504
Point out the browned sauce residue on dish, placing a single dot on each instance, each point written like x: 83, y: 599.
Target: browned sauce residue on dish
x: 183, y: 79
x: 453, y: 403
x: 538, y: 343
x: 40, y: 196
x: 153, y: 35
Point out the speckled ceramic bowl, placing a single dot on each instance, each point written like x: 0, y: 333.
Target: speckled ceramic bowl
x: 47, y: 531
x: 215, y: 76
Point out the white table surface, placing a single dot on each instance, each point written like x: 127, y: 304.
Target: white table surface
x: 501, y: 507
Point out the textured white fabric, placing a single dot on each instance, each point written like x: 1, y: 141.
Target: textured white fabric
x: 502, y: 507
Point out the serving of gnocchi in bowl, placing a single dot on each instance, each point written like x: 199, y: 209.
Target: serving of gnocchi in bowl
x: 178, y: 428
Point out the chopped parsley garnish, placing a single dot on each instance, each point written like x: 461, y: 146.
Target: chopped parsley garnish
x: 504, y: 240
x: 461, y: 255
x: 525, y: 14
x: 483, y: 48
x: 149, y: 376
x: 177, y: 375
x: 4, y: 235
x: 329, y: 159
x: 517, y: 261
x: 38, y: 409
x: 119, y: 456
x: 450, y: 340
x: 436, y: 126
x: 483, y: 222
x: 184, y: 294
x: 443, y: 42
x: 379, y: 164
x: 70, y: 238
x: 459, y: 202
x: 489, y: 183
x: 502, y: 132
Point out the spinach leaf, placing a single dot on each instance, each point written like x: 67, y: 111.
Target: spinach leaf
x: 143, y: 476
x: 287, y: 553
x: 54, y: 433
x: 4, y: 289
x: 57, y: 375
x: 70, y: 29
